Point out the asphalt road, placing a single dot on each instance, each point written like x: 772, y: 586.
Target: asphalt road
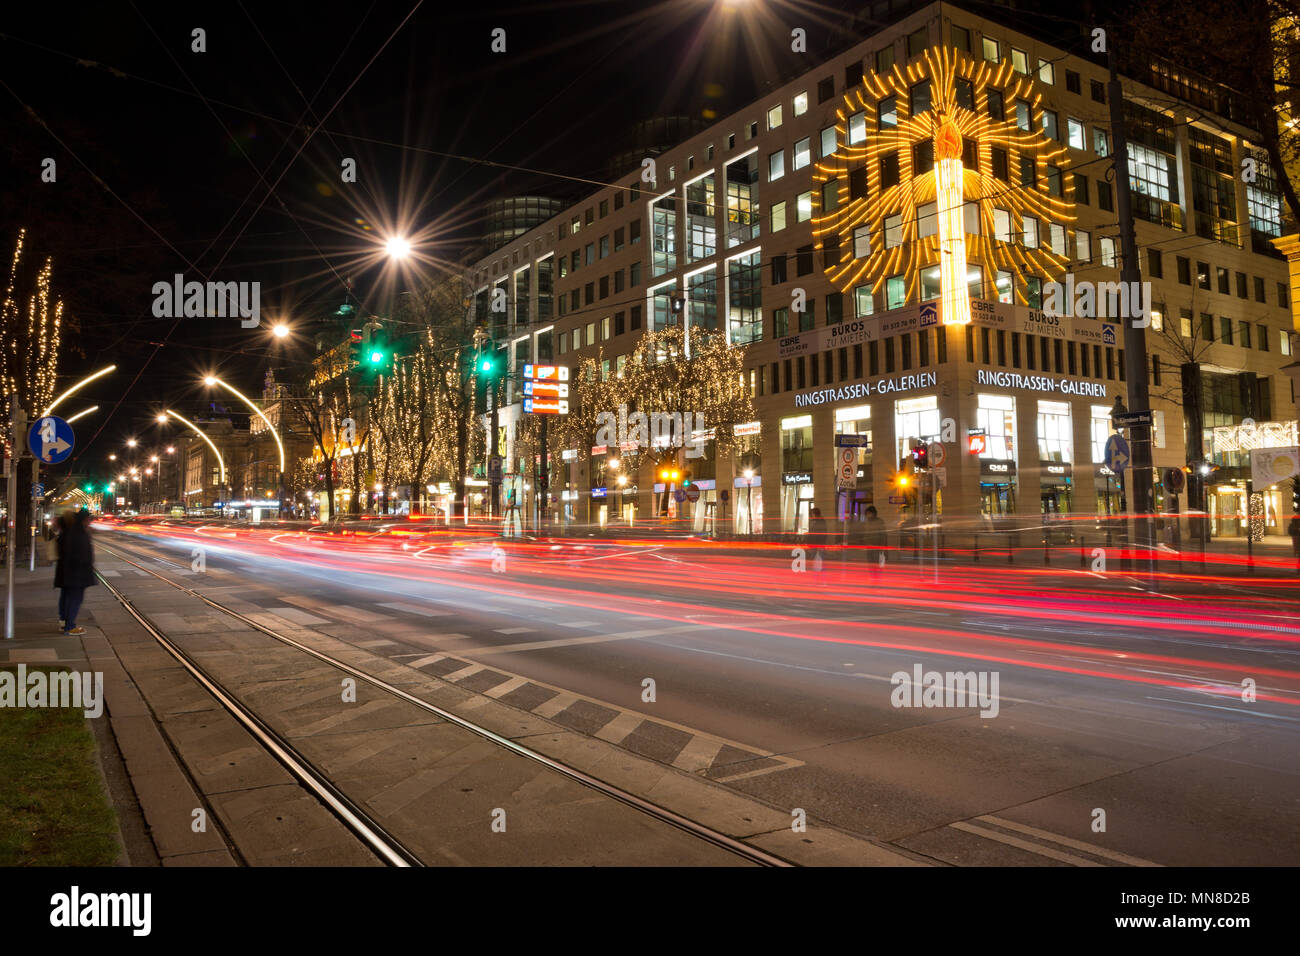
x: 1114, y: 705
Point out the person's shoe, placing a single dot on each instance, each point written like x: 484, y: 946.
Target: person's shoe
x: 75, y: 630
x: 62, y: 624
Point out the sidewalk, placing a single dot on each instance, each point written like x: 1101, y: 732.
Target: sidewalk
x: 143, y: 779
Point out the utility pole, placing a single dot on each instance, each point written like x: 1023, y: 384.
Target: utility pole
x: 18, y: 422
x: 1135, y: 346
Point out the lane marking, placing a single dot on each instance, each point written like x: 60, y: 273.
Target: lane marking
x: 576, y: 641
x: 431, y: 659
x: 1235, y: 710
x: 1023, y: 844
x: 516, y: 630
x: 1068, y: 841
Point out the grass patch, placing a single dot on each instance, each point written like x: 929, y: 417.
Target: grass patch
x: 53, y: 809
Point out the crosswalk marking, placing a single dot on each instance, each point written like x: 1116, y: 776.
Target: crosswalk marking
x: 1067, y: 841
x: 296, y: 615
x: 415, y: 609
x: 509, y: 686
x: 555, y: 705
x: 464, y: 672
x: 698, y: 754
x: 620, y: 727
x: 431, y: 659
x: 1022, y: 844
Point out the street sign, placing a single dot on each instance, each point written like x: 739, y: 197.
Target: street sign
x: 546, y: 389
x: 494, y: 469
x: 1117, y: 454
x: 897, y: 499
x: 724, y: 495
x: 1129, y: 419
x: 51, y: 439
x: 852, y: 441
x: 938, y: 453
x: 846, y: 467
x: 940, y: 475
x: 679, y: 495
x: 38, y: 491
x: 544, y: 373
x: 1174, y: 480
x: 692, y: 493
x: 547, y: 406
x: 569, y: 454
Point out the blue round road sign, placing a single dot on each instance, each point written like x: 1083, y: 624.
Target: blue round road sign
x: 1117, y: 454
x: 51, y: 439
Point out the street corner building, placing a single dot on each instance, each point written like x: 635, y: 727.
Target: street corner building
x: 916, y: 242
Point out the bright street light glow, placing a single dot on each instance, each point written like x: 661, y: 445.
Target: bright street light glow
x: 131, y: 442
x: 112, y: 458
x: 398, y: 248
x: 85, y: 381
x: 280, y: 330
x: 209, y: 381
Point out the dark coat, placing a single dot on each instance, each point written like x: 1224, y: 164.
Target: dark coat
x: 76, y: 564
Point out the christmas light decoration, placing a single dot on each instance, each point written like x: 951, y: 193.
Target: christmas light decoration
x: 962, y: 114
x: 30, y: 342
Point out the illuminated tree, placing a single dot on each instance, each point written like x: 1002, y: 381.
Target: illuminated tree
x: 874, y: 176
x: 30, y: 332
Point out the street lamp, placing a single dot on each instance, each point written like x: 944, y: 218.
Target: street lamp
x: 398, y: 248
x: 213, y: 380
x: 85, y: 381
x: 280, y: 329
x: 220, y: 461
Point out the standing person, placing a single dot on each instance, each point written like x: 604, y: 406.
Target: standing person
x: 76, y: 569
x: 61, y: 523
x: 875, y: 529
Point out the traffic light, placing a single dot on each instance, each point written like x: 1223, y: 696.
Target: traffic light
x: 670, y: 475
x: 354, y: 348
x: 686, y: 478
x: 377, y: 351
x: 90, y: 488
x: 920, y: 457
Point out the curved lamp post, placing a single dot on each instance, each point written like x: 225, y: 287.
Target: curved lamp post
x: 213, y: 380
x: 220, y: 461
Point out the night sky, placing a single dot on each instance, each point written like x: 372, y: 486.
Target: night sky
x: 207, y: 164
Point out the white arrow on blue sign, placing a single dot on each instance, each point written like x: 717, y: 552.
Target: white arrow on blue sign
x: 1117, y: 454
x: 51, y: 439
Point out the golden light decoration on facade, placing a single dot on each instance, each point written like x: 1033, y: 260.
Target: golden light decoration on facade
x: 955, y: 136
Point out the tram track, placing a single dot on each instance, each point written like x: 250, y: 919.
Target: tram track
x: 362, y: 824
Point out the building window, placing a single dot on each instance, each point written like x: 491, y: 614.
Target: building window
x: 852, y: 74
x: 1244, y: 329
x: 960, y: 38
x: 1101, y: 144
x: 1074, y: 134
x: 992, y: 49
x: 825, y: 89
x: 1262, y: 338
x: 996, y: 414
x: 1155, y: 264
x: 887, y: 112
x: 857, y: 128
x: 1024, y: 116
x: 1259, y: 289
x: 1225, y: 330
x: 1051, y: 125
x: 778, y: 216
x: 780, y: 323
x: 774, y: 117
x: 917, y: 41
x: 1020, y: 61
x: 1046, y: 72
x: 895, y: 292
x: 1098, y: 90
x: 779, y: 274
x: 1203, y: 275
x: 830, y: 195
x: 744, y: 299
x: 1028, y: 172
x: 885, y: 59
x: 803, y: 207
x: 889, y: 170
x: 803, y: 261
x: 1105, y: 197
x: 801, y: 103
x: 893, y: 230
x: 827, y: 141
x: 996, y: 110
x: 999, y: 160
x: 920, y: 98
x: 863, y: 304
x: 776, y: 165
x: 802, y: 155
x: 1184, y: 270
x: 861, y: 242
x: 915, y: 420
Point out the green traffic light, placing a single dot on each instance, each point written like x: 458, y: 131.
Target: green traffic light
x: 486, y: 365
x: 376, y: 357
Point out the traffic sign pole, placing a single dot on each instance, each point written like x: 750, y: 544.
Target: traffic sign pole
x: 18, y: 420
